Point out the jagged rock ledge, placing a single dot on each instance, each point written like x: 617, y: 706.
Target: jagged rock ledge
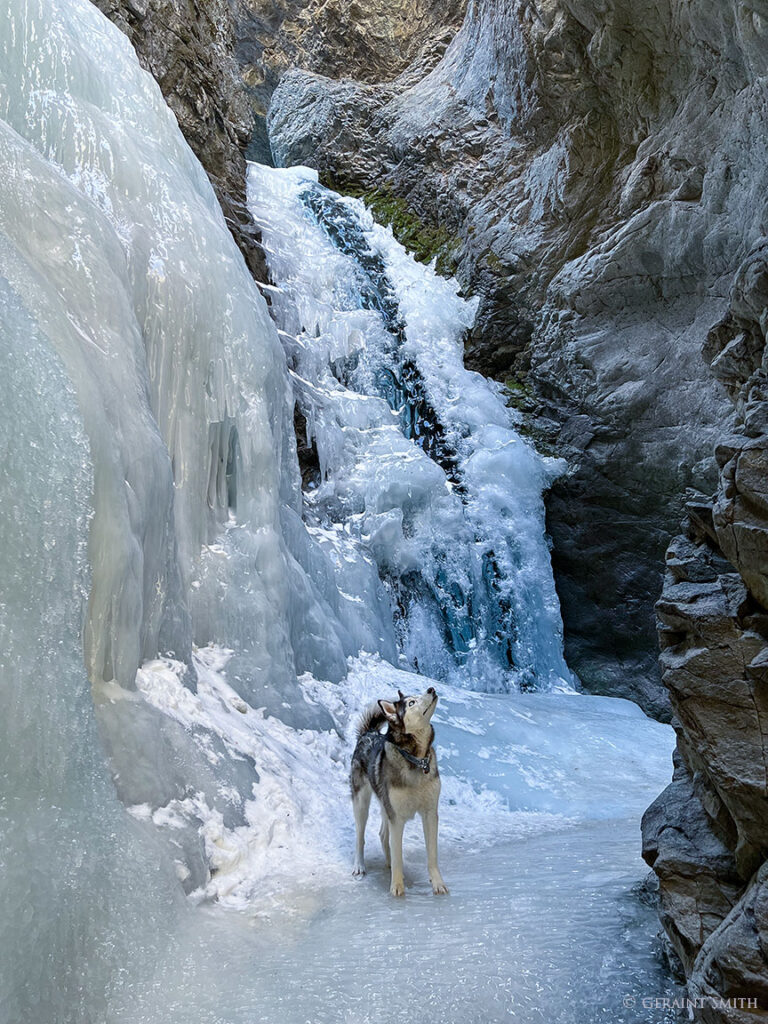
x: 706, y: 836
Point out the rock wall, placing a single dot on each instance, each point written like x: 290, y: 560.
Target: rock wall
x: 599, y: 173
x: 706, y: 836
x: 369, y: 40
x: 188, y: 46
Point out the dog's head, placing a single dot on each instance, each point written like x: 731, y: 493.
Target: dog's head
x: 410, y: 714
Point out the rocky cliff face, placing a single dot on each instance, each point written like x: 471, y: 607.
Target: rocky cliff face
x: 370, y: 40
x: 707, y: 835
x: 189, y: 48
x: 598, y: 173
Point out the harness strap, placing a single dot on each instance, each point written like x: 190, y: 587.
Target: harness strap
x: 418, y: 762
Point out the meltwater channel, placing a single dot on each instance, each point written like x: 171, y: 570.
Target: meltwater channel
x: 192, y: 619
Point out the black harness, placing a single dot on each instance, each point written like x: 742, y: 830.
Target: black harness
x: 418, y: 762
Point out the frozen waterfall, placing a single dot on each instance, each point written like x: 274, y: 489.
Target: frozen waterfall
x: 420, y: 470
x: 188, y: 632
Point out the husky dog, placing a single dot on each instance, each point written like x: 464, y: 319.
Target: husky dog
x: 400, y: 767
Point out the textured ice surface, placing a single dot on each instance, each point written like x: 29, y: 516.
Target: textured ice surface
x: 88, y: 903
x: 113, y: 240
x: 420, y: 460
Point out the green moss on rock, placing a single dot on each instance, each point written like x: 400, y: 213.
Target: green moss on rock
x: 519, y: 395
x: 425, y: 242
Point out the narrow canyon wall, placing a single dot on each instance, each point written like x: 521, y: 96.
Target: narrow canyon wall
x: 189, y: 48
x: 371, y: 41
x: 706, y: 836
x: 597, y: 172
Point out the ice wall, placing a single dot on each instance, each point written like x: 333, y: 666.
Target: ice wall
x: 148, y: 469
x: 114, y: 242
x: 87, y: 902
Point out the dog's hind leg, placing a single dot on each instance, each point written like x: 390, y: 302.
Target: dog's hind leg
x: 384, y: 836
x: 429, y: 821
x: 361, y: 802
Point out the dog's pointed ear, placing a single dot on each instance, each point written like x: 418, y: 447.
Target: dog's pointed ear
x: 389, y: 710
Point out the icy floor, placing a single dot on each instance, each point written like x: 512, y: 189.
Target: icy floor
x: 543, y: 929
x: 542, y: 796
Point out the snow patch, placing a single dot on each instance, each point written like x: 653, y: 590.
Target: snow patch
x: 511, y: 767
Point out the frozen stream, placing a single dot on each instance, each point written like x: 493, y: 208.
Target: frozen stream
x: 545, y: 930
x: 189, y: 629
x: 546, y: 921
x: 420, y: 471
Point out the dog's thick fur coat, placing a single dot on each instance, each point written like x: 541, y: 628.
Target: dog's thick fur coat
x: 381, y: 765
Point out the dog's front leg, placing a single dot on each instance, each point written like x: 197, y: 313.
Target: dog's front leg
x: 429, y: 821
x: 397, y: 888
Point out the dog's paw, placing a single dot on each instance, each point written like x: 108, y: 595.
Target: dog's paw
x: 440, y: 888
x: 397, y: 889
x: 358, y: 871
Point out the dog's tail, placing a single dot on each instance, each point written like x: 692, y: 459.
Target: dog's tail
x: 371, y: 720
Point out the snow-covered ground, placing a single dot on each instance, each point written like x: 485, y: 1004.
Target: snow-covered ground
x: 512, y: 767
x: 542, y: 795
